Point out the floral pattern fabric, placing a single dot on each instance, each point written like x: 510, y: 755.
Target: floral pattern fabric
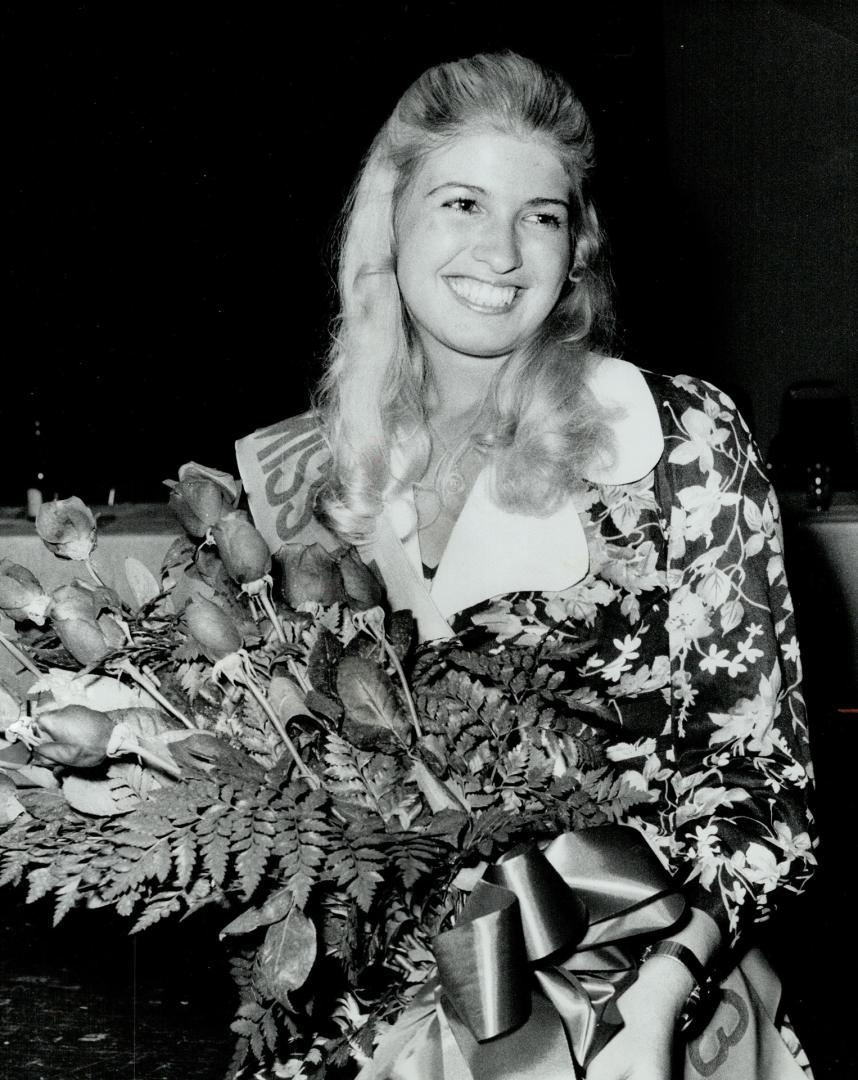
x: 692, y: 676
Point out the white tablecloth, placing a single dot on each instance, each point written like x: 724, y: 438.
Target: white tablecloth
x: 144, y: 531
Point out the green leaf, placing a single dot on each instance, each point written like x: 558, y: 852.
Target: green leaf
x: 243, y: 1027
x: 269, y: 1031
x: 275, y: 908
x: 357, y: 854
x: 402, y: 632
x: 324, y: 706
x: 144, y: 721
x: 299, y: 865
x: 102, y: 798
x: 215, y: 856
x: 288, y: 953
x: 156, y: 911
x: 322, y: 662
x: 40, y: 882
x: 252, y: 1010
x: 141, y: 781
x: 14, y: 864
x: 100, y: 692
x: 67, y: 895
x: 251, y: 863
x: 437, y: 794
x: 184, y: 852
x: 374, y: 718
x: 126, y: 904
x: 141, y: 581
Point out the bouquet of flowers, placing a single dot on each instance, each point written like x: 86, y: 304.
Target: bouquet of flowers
x: 245, y: 734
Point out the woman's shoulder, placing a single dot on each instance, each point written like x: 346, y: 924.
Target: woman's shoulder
x: 687, y: 392
x: 283, y: 467
x: 654, y: 411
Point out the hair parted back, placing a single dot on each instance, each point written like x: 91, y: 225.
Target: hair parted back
x: 541, y: 425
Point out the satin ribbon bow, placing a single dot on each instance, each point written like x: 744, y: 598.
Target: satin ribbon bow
x: 528, y: 979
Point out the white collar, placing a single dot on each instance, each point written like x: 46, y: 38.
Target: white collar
x: 492, y: 551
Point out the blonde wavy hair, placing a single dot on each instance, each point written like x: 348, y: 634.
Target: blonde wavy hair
x: 540, y: 425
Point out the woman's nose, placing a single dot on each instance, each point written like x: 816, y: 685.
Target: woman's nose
x: 498, y: 247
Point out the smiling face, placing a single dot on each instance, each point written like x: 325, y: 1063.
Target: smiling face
x: 483, y: 244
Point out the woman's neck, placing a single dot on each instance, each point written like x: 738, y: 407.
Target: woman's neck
x: 460, y: 385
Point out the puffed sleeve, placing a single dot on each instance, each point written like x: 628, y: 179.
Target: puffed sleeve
x: 737, y: 808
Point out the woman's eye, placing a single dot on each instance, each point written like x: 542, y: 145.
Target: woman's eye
x: 463, y: 205
x: 552, y: 221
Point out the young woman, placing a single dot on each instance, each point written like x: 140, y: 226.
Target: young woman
x: 516, y: 483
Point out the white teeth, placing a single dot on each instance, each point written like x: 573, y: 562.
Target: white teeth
x: 481, y: 294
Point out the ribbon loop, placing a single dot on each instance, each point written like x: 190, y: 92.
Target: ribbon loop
x: 553, y: 915
x: 482, y: 963
x: 533, y: 970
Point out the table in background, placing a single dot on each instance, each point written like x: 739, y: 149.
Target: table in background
x: 821, y: 549
x: 144, y: 531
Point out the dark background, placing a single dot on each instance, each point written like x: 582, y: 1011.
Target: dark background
x: 171, y: 176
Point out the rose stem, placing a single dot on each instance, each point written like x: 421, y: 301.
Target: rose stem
x: 264, y: 703
x: 409, y: 700
x: 99, y: 580
x: 159, y: 762
x: 22, y: 658
x: 265, y: 600
x: 153, y: 691
x: 96, y: 577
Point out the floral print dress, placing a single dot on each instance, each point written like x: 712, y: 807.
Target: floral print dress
x: 691, y: 681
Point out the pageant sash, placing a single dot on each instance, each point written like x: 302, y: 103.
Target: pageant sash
x: 528, y: 980
x: 283, y: 468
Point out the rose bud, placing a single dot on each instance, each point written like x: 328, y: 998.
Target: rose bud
x: 67, y: 527
x: 201, y: 496
x: 21, y: 595
x: 243, y: 549
x: 88, y: 637
x: 363, y: 589
x: 309, y: 574
x: 211, y: 628
x: 208, y: 566
x: 77, y: 736
x: 73, y: 601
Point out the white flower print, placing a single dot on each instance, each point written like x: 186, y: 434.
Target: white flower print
x: 634, y: 569
x: 706, y: 800
x: 625, y: 503
x: 714, y: 659
x: 747, y: 651
x: 790, y: 649
x: 581, y: 602
x: 751, y: 719
x: 797, y: 846
x: 702, y: 505
x: 703, y: 438
x: 627, y: 650
x: 689, y: 617
x: 759, y: 865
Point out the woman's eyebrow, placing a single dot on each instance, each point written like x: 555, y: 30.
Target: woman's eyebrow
x: 456, y: 184
x: 541, y: 200
x: 538, y: 200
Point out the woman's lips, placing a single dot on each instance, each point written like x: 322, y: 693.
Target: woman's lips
x: 482, y: 295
